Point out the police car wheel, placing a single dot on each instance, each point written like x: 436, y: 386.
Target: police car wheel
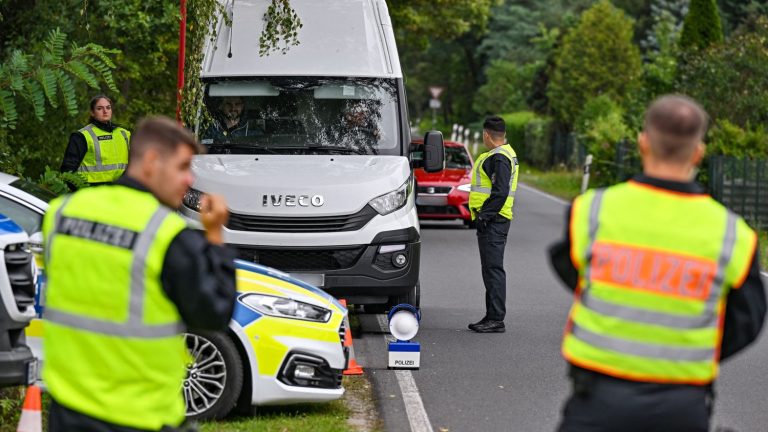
x: 214, y: 378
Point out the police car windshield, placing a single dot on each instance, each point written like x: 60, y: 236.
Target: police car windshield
x: 295, y: 115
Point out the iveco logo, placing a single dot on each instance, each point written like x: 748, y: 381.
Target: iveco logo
x: 292, y: 200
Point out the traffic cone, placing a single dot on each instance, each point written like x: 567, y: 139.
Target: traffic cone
x: 31, y: 413
x: 353, y: 368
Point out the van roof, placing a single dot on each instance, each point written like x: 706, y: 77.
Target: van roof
x: 351, y: 38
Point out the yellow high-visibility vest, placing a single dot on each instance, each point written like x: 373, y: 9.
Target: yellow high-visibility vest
x: 481, y: 186
x: 112, y: 339
x: 655, y: 268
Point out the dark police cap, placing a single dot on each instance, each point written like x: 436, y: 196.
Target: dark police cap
x: 495, y: 124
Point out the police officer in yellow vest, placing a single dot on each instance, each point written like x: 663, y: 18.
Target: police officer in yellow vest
x: 667, y: 285
x: 99, y: 151
x: 494, y: 182
x: 125, y: 278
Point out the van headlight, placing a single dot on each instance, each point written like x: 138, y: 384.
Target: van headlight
x: 192, y: 199
x: 394, y: 200
x: 467, y: 187
x: 285, y: 308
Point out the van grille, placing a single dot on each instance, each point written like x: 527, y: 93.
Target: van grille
x: 243, y: 222
x: 302, y: 259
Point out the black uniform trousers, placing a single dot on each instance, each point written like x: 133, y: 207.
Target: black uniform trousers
x: 63, y: 419
x: 600, y: 403
x: 492, y: 239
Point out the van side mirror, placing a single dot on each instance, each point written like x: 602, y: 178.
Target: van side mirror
x: 434, y: 152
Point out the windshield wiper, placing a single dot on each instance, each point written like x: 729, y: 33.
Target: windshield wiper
x: 346, y: 150
x: 238, y: 146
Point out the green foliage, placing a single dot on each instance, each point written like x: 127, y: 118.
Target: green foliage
x: 57, y: 182
x: 41, y: 77
x: 738, y: 12
x: 600, y: 128
x: 660, y: 69
x: 731, y: 80
x: 417, y: 22
x: 702, y: 26
x: 538, y: 136
x: 506, y: 89
x: 728, y: 139
x: 597, y: 57
x: 516, y: 124
x: 281, y: 30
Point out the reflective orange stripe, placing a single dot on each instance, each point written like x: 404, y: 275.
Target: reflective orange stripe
x: 645, y: 269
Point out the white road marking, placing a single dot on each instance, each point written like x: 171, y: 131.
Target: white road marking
x: 544, y: 194
x: 414, y: 407
x: 764, y: 274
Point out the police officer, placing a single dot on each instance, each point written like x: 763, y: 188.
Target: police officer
x: 126, y: 276
x: 494, y: 182
x: 99, y: 150
x: 667, y: 286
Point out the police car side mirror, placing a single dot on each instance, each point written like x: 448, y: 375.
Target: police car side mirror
x: 434, y: 152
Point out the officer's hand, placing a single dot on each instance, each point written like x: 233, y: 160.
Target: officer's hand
x: 213, y: 215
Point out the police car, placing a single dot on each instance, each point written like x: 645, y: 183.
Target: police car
x: 283, y: 345
x: 17, y: 290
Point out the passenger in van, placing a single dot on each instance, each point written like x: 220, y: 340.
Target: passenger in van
x: 358, y: 125
x: 230, y: 122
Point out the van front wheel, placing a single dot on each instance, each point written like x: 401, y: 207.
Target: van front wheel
x: 412, y: 297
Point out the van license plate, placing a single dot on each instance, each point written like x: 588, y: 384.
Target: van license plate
x: 316, y: 279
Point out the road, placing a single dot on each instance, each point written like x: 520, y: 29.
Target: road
x: 515, y: 381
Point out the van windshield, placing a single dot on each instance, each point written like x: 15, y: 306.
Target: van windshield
x: 295, y: 115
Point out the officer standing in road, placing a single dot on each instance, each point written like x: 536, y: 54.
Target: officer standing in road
x: 125, y: 277
x: 494, y: 182
x: 667, y: 284
x: 99, y: 150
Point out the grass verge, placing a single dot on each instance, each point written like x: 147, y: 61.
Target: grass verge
x: 561, y: 183
x: 763, y: 245
x: 353, y: 413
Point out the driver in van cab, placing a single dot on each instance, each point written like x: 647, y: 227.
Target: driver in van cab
x: 230, y: 121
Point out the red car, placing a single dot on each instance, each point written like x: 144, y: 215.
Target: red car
x: 444, y: 195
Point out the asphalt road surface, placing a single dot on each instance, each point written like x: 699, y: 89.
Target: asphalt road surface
x: 515, y: 381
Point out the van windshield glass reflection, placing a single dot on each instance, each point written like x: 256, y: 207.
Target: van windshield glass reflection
x: 301, y: 116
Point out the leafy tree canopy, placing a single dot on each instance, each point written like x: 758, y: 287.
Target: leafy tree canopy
x: 597, y: 58
x: 702, y: 25
x: 731, y: 79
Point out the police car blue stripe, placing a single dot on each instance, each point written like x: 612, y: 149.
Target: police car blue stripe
x: 7, y: 226
x: 244, y: 315
x: 268, y: 271
x: 404, y: 346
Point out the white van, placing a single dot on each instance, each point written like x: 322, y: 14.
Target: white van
x: 310, y: 149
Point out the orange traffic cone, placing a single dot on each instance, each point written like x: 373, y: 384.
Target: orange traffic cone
x: 31, y: 413
x: 353, y: 368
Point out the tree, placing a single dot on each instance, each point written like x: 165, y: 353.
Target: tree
x: 506, y: 89
x: 660, y: 68
x: 597, y: 58
x: 738, y: 12
x: 702, y: 26
x: 731, y: 80
x: 417, y: 22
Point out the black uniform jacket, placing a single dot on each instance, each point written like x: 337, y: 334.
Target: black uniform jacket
x: 197, y: 276
x: 745, y: 305
x: 78, y: 147
x: 499, y: 169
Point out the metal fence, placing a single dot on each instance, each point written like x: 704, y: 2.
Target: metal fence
x: 742, y: 186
